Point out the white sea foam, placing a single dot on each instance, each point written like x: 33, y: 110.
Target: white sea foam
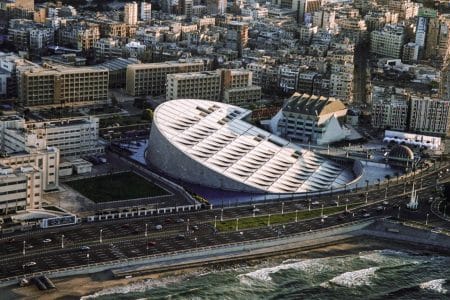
x: 354, y: 278
x: 434, y: 285
x: 264, y: 274
x: 139, y: 286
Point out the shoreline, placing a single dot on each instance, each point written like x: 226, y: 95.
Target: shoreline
x: 77, y: 286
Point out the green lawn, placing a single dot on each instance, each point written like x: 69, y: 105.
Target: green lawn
x: 261, y: 221
x: 120, y: 186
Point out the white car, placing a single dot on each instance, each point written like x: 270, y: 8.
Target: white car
x: 47, y: 240
x: 158, y: 227
x: 29, y: 264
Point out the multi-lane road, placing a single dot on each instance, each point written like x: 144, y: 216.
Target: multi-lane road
x: 87, y: 243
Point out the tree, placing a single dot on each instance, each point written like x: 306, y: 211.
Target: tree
x: 147, y: 114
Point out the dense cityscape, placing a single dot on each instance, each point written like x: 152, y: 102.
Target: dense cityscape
x: 213, y: 149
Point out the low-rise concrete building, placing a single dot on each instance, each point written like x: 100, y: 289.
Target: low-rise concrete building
x: 310, y: 118
x: 150, y: 79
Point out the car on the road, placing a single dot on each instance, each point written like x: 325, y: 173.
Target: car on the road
x: 341, y: 217
x: 315, y: 203
x: 380, y: 208
x: 195, y: 227
x: 29, y: 246
x: 180, y: 236
x: 29, y: 264
x: 85, y: 248
x: 256, y: 210
x: 151, y: 243
x: 366, y: 215
x: 180, y: 220
x: 11, y: 240
x: 168, y: 221
x: 385, y: 203
x: 136, y: 230
x: 47, y: 241
x: 125, y: 225
x: 158, y: 227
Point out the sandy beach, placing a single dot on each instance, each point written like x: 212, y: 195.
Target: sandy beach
x: 75, y: 287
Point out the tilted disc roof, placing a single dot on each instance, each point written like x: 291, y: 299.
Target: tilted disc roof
x: 217, y: 135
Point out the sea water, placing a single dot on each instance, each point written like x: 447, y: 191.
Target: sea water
x: 379, y: 274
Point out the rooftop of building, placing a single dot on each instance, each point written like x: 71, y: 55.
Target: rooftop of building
x: 118, y: 63
x: 60, y: 69
x: 312, y: 105
x: 193, y: 75
x: 164, y: 64
x: 217, y: 136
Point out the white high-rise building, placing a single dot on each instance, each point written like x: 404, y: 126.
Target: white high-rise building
x: 146, y: 11
x: 130, y: 13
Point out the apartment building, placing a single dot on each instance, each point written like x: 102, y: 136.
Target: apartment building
x: 242, y: 96
x: 62, y: 85
x: 150, y: 79
x: 74, y: 137
x: 429, y: 116
x: 20, y: 188
x: 146, y: 11
x: 46, y: 161
x: 233, y: 86
x: 390, y: 108
x: 79, y: 35
x: 388, y: 42
x: 130, y: 11
x: 198, y: 85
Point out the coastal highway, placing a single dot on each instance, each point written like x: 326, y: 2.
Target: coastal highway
x: 87, y: 243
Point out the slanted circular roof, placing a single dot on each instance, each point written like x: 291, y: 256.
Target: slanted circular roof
x: 218, y: 136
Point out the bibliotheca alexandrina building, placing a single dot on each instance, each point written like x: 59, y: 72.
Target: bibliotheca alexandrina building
x: 214, y: 145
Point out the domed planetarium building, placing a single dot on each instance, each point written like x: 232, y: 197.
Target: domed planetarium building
x: 211, y: 144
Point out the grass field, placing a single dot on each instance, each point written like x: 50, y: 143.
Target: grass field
x: 120, y: 186
x: 261, y: 221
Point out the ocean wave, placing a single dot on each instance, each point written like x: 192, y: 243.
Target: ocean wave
x: 380, y: 256
x: 434, y: 285
x: 353, y: 278
x: 264, y: 274
x: 135, y: 287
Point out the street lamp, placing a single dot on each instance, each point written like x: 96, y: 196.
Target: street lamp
x: 221, y: 215
x: 282, y: 208
x: 426, y: 221
x: 215, y: 222
x: 296, y: 216
x: 23, y: 250
x: 398, y: 215
x: 101, y: 236
x: 268, y: 221
x: 322, y: 210
x: 62, y: 241
x: 146, y: 230
x: 237, y: 224
x: 367, y: 194
x: 385, y: 193
x: 187, y: 225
